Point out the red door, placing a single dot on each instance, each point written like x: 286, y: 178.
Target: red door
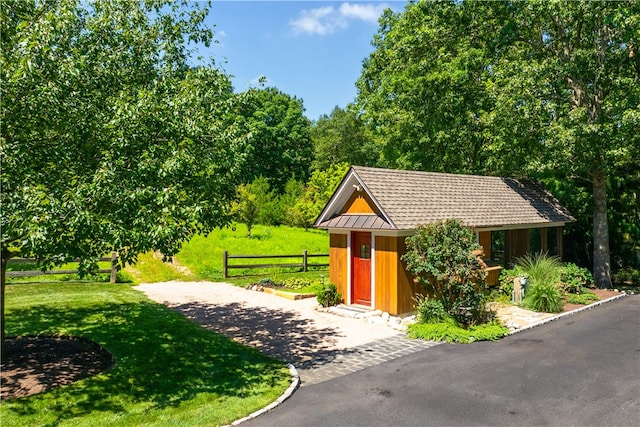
x: 361, y: 268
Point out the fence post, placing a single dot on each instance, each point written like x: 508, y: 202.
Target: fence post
x: 304, y: 261
x: 225, y: 255
x: 112, y: 278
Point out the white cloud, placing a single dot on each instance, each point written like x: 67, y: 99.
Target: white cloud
x: 327, y: 19
x: 365, y: 12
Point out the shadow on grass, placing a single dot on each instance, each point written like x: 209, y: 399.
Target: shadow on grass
x: 277, y: 333
x: 162, y: 359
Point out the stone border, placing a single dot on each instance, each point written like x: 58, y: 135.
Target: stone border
x: 567, y: 314
x: 295, y: 383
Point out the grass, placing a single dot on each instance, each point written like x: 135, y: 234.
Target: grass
x: 203, y: 255
x: 169, y: 370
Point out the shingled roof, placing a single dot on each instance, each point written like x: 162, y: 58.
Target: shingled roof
x: 406, y: 199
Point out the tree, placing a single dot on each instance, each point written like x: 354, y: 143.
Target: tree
x: 246, y: 208
x: 549, y: 89
x: 279, y: 145
x: 440, y: 256
x: 109, y: 140
x: 317, y: 193
x: 342, y: 137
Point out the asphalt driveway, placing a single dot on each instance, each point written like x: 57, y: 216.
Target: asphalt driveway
x: 580, y: 370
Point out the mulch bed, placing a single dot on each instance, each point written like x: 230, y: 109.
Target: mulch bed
x: 600, y: 293
x: 38, y: 363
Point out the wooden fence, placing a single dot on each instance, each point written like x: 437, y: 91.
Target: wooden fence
x: 112, y: 271
x: 304, y: 264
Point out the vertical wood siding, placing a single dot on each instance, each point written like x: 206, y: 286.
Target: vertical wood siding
x: 484, y: 240
x: 338, y: 259
x: 386, y: 274
x: 360, y: 203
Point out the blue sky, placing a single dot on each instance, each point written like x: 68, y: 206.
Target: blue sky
x: 309, y: 49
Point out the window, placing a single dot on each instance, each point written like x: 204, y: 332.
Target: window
x: 365, y: 252
x: 497, y: 246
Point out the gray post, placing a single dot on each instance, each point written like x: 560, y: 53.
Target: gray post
x: 225, y: 255
x: 304, y: 261
x: 114, y: 257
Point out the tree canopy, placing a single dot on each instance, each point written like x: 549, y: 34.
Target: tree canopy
x: 110, y: 140
x: 543, y: 89
x: 279, y: 146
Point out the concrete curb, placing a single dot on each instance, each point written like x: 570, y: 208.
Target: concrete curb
x: 295, y: 383
x: 569, y: 313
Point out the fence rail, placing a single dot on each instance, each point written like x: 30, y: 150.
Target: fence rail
x: 112, y: 271
x: 304, y: 264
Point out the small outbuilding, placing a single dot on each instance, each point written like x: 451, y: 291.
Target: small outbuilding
x: 373, y: 210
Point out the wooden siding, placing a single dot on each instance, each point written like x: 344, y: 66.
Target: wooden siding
x: 484, y: 240
x: 360, y: 203
x: 338, y: 259
x: 386, y: 273
x: 517, y: 244
x: 407, y: 288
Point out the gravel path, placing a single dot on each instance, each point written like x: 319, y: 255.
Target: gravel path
x: 292, y: 331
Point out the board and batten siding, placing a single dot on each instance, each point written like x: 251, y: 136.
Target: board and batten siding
x: 395, y: 288
x: 360, y: 203
x: 338, y: 263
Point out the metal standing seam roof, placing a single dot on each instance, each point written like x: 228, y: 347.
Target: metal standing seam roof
x: 410, y: 198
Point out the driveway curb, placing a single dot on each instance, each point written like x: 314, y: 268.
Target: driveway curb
x: 295, y: 383
x: 569, y: 313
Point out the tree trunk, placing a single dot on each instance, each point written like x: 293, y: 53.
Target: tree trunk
x: 601, y: 255
x: 6, y: 254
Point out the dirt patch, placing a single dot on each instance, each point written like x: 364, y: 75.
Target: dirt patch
x: 39, y: 363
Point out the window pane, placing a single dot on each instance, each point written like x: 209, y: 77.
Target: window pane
x: 365, y: 252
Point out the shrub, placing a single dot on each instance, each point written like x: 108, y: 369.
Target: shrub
x: 295, y: 283
x: 541, y: 268
x: 429, y: 310
x: 440, y: 256
x: 450, y: 331
x: 544, y: 297
x: 329, y: 295
x: 583, y: 298
x: 506, y: 280
x: 574, y: 279
x: 627, y: 275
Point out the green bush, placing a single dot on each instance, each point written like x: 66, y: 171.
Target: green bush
x: 440, y: 256
x: 574, y: 279
x: 450, y: 331
x: 544, y: 297
x: 625, y: 275
x: 584, y: 298
x: 429, y: 310
x: 329, y: 295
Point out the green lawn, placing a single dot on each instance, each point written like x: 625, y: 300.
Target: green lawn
x: 203, y: 255
x: 169, y: 370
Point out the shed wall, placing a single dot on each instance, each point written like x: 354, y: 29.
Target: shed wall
x: 338, y: 263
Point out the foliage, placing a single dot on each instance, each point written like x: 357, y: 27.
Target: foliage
x: 540, y: 268
x: 342, y: 137
x: 246, y: 209
x: 450, y: 331
x: 547, y: 89
x: 627, y: 275
x: 574, y: 279
x: 429, y: 310
x: 543, y: 296
x: 440, y: 257
x: 279, y: 146
x: 169, y: 370
x: 583, y: 298
x: 329, y: 295
x: 295, y: 283
x: 507, y: 276
x: 317, y: 193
